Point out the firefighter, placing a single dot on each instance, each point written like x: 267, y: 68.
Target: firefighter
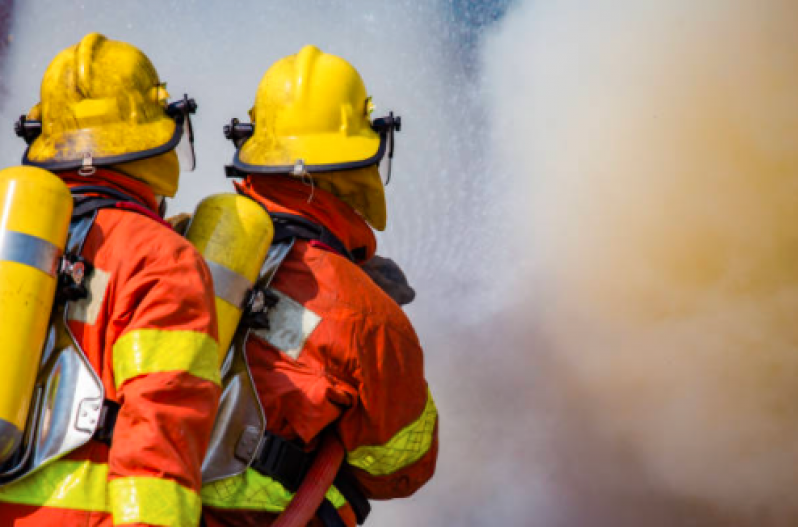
x: 335, y: 354
x: 145, y: 323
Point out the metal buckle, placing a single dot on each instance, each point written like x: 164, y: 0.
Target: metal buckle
x: 256, y: 311
x: 87, y: 167
x: 71, y: 277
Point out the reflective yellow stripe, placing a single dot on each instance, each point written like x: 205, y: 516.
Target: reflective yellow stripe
x: 153, y: 501
x: 64, y: 484
x: 252, y: 490
x: 83, y: 485
x: 144, y: 351
x: 403, y: 449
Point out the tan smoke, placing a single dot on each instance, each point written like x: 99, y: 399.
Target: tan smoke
x: 651, y: 152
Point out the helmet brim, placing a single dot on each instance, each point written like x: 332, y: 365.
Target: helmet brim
x: 330, y: 152
x: 108, y: 144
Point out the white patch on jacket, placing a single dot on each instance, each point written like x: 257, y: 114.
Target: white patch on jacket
x: 87, y: 309
x: 290, y: 325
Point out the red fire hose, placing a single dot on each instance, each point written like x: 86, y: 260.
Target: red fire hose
x: 315, y: 485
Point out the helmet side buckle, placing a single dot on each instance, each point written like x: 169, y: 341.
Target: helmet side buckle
x: 87, y: 167
x: 299, y: 169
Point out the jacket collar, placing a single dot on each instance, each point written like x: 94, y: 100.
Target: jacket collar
x: 282, y: 194
x: 109, y: 178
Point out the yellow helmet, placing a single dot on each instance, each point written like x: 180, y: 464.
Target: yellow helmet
x: 102, y: 104
x: 311, y: 114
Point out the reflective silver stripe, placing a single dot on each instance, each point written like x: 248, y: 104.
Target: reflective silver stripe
x: 29, y: 250
x: 229, y: 285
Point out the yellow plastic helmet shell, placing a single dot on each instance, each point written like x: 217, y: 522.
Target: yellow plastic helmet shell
x: 101, y: 99
x: 233, y: 233
x: 36, y: 210
x: 312, y: 107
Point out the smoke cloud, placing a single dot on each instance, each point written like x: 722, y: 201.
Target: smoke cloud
x: 600, y: 219
x: 649, y: 154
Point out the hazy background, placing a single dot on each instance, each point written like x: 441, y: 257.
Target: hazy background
x: 596, y: 202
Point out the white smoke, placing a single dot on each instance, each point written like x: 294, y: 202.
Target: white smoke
x: 651, y: 159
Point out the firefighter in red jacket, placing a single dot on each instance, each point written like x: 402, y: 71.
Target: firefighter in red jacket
x: 338, y: 355
x: 147, y: 325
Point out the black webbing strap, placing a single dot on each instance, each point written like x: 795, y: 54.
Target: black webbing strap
x: 283, y: 461
x: 107, y: 422
x: 328, y: 514
x: 347, y: 486
x: 288, y: 464
x: 85, y: 205
x: 293, y: 226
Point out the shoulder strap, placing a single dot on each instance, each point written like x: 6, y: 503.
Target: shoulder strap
x: 90, y: 198
x: 293, y: 226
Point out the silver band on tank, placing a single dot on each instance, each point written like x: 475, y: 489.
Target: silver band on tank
x: 29, y: 250
x: 229, y: 285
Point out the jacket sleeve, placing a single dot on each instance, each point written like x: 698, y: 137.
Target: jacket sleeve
x: 391, y: 433
x: 166, y: 374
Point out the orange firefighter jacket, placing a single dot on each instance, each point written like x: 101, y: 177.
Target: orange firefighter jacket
x: 340, y: 353
x: 148, y: 328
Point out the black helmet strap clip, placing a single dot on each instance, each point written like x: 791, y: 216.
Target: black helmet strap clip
x: 27, y: 129
x: 238, y: 132
x: 181, y: 111
x: 386, y: 127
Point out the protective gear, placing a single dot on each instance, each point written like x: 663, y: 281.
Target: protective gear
x: 148, y: 329
x: 166, y: 165
x: 233, y: 234
x: 361, y: 189
x: 312, y: 106
x: 102, y: 104
x: 391, y: 279
x: 311, y: 119
x: 338, y: 354
x: 31, y: 244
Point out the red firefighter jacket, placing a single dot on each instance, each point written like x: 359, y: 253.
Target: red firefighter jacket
x: 340, y: 353
x: 148, y: 328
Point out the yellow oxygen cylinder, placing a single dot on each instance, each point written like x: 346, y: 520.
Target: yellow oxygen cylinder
x: 35, y: 209
x: 233, y: 233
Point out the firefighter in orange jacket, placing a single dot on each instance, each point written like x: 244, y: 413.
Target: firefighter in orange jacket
x: 147, y: 325
x: 337, y: 354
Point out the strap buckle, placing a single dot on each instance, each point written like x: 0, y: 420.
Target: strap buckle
x: 107, y: 421
x: 257, y: 306
x: 72, y: 271
x: 282, y: 461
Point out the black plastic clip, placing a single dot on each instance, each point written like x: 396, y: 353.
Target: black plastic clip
x: 181, y: 107
x: 256, y: 310
x: 105, y: 427
x: 27, y: 129
x: 238, y: 132
x: 283, y: 461
x: 72, y: 272
x: 388, y: 125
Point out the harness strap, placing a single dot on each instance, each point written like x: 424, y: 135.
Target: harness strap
x: 347, y: 486
x: 105, y: 426
x: 288, y: 464
x: 82, y: 190
x: 293, y: 226
x: 282, y: 461
x: 88, y: 199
